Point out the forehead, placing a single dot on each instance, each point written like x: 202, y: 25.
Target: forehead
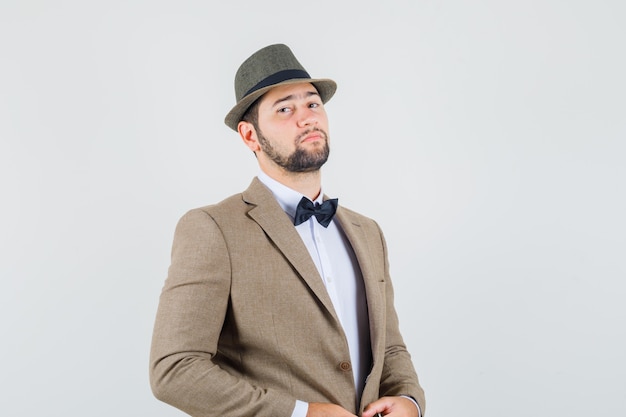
x: 284, y: 92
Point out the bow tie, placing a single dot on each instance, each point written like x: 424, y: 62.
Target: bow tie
x: 323, y: 212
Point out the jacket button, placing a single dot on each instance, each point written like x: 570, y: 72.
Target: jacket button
x: 345, y: 366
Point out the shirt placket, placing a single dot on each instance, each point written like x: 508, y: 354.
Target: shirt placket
x: 326, y: 271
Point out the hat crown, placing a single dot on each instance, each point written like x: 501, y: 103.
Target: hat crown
x: 267, y: 68
x: 264, y: 64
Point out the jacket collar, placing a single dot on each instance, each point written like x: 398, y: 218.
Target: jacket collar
x: 270, y: 216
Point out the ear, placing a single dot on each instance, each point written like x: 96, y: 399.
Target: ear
x: 248, y: 135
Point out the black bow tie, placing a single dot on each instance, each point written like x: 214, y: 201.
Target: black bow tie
x: 323, y: 212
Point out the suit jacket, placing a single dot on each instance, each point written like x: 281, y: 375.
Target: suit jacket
x: 245, y: 326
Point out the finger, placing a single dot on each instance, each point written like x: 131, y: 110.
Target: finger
x: 375, y: 409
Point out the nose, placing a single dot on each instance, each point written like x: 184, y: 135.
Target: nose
x: 307, y: 117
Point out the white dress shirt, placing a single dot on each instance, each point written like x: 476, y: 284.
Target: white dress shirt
x: 337, y: 265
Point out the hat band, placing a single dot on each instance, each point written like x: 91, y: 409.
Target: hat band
x: 278, y: 77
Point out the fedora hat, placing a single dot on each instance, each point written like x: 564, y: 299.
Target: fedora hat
x: 267, y: 68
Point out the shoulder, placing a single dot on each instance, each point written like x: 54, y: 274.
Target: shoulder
x: 239, y: 204
x: 229, y: 205
x: 347, y: 215
x: 210, y: 217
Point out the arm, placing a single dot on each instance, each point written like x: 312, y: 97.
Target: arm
x: 398, y: 376
x: 192, y: 309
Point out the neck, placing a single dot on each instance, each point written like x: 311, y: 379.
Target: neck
x: 307, y: 183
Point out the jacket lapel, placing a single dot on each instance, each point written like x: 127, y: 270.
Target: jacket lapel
x: 268, y: 214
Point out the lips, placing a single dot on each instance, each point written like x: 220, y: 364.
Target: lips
x: 312, y: 136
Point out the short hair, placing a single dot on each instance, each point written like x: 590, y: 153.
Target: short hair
x: 252, y: 113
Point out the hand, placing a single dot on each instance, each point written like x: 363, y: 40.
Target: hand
x: 392, y: 407
x: 327, y: 410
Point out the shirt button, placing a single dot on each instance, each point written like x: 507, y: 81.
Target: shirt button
x: 329, y: 279
x: 345, y: 366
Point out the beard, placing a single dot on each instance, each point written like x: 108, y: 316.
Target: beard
x: 300, y: 160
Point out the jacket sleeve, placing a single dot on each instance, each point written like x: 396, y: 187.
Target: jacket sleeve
x: 191, y: 312
x: 398, y: 376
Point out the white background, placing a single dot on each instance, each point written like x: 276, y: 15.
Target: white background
x: 486, y: 137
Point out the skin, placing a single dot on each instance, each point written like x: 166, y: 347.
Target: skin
x: 292, y: 120
x: 392, y: 407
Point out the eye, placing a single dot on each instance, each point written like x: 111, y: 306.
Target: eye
x: 314, y: 105
x: 284, y: 110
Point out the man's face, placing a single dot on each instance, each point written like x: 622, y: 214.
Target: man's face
x: 292, y: 128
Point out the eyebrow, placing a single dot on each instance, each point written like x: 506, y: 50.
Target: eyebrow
x: 293, y: 96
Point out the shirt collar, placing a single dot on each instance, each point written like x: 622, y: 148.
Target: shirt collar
x: 287, y: 198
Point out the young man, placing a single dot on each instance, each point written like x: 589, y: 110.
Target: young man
x: 278, y: 302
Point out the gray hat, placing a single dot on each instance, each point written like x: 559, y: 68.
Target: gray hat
x: 267, y: 68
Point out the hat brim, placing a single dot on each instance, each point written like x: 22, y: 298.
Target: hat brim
x: 325, y: 87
